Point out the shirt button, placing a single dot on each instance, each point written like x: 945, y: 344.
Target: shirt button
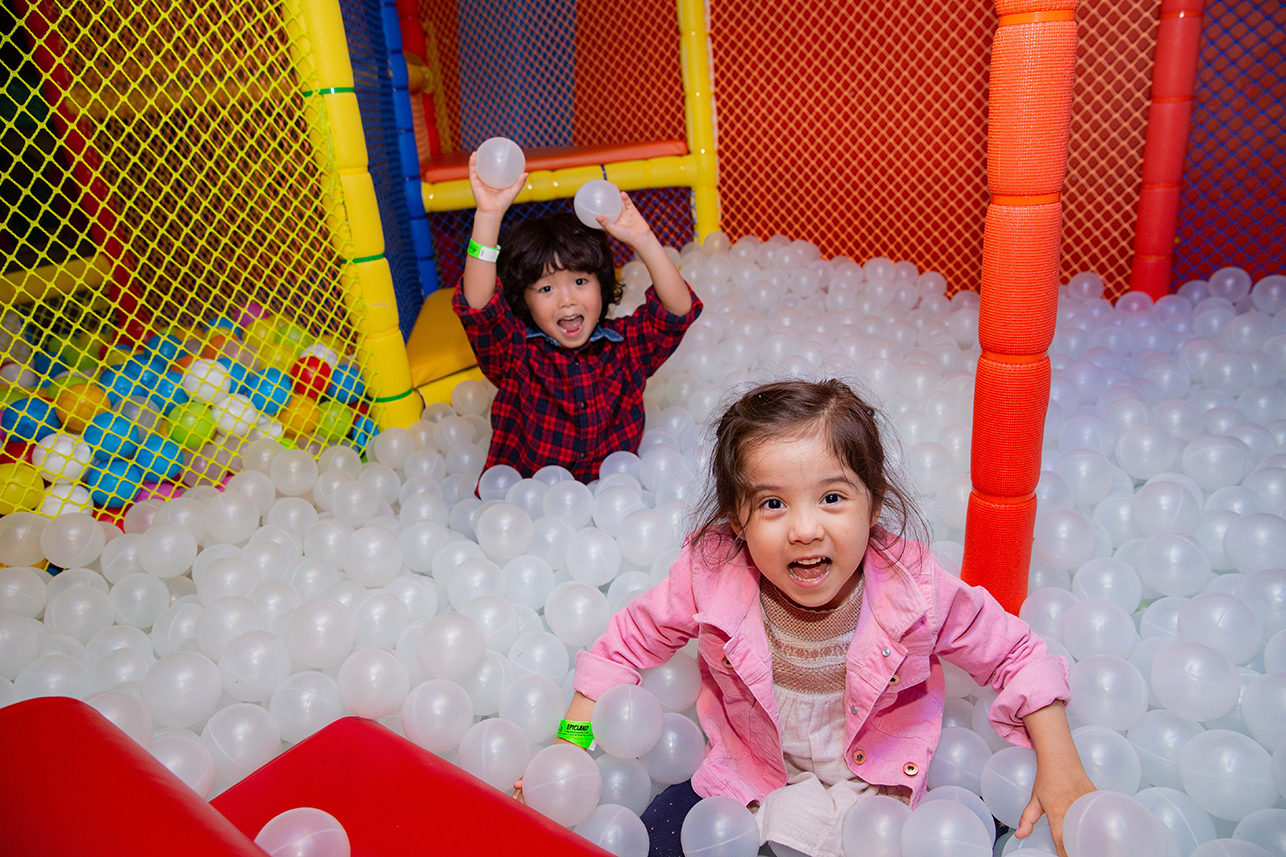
x: 910, y: 769
x: 853, y: 708
x: 859, y: 756
x: 584, y: 405
x: 887, y: 651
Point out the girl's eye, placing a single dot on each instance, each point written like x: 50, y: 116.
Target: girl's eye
x: 772, y: 504
x: 832, y: 498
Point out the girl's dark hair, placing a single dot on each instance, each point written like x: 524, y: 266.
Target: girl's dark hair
x: 785, y: 408
x: 555, y: 242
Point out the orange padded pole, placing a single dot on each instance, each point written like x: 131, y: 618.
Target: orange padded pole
x: 1032, y: 64
x: 1174, y: 72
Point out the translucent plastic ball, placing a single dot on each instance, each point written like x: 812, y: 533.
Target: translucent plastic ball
x: 499, y: 162
x: 644, y: 535
x: 541, y: 653
x: 182, y: 689
x: 320, y: 633
x: 941, y: 828
x: 1007, y: 780
x: 625, y: 782
x: 595, y: 198
x: 577, y: 613
x: 627, y: 721
x: 373, y: 683
x: 1113, y: 825
x: 183, y: 755
x: 563, y: 783
x: 495, y: 751
x: 873, y: 827
x: 253, y: 665
x: 472, y: 578
x: 677, y: 753
x: 1107, y: 691
x: 1189, y: 823
x: 1097, y: 627
x: 528, y: 581
x: 437, y: 714
x: 1110, y: 760
x: 959, y: 759
x: 1110, y: 580
x: 1163, y: 506
x: 1145, y: 451
x: 593, y: 556
x: 1174, y: 564
x: 1263, y: 708
x: 294, y: 472
x: 353, y: 501
x: 571, y: 501
x: 80, y: 612
x: 53, y: 674
x: 72, y: 541
x: 19, y: 644
x: 1255, y: 542
x: 1225, y: 623
x: 719, y: 827
x: 1044, y: 609
x: 675, y: 684
x: 451, y: 646
x: 504, y: 531
x: 304, y: 832
x: 1064, y: 539
x: 1227, y: 774
x: 241, y: 738
x: 139, y: 599
x: 616, y: 829
x: 1195, y: 681
x: 373, y: 556
x: 536, y: 704
x: 166, y: 550
x: 966, y: 798
x: 304, y: 703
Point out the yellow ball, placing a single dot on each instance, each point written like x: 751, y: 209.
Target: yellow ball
x: 280, y: 356
x: 21, y: 488
x: 261, y: 332
x: 77, y: 404
x: 300, y: 416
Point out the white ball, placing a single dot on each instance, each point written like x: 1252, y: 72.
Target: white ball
x: 595, y: 197
x: 182, y: 689
x: 437, y: 714
x: 61, y: 457
x: 304, y: 832
x: 373, y: 683
x: 234, y: 415
x: 241, y: 738
x: 563, y: 783
x: 499, y: 162
x: 207, y: 381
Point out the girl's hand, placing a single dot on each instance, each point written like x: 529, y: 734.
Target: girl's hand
x: 489, y: 199
x: 1054, y: 792
x: 629, y: 228
x: 518, y: 791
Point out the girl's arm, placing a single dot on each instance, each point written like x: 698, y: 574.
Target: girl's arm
x: 479, y: 276
x: 632, y: 229
x: 1060, y: 777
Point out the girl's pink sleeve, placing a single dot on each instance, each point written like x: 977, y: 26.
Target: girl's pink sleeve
x: 998, y: 650
x: 643, y: 635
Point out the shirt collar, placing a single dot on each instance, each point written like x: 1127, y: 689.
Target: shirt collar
x: 600, y: 332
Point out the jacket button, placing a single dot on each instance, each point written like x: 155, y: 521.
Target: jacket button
x: 853, y: 708
x: 887, y: 651
x: 894, y: 680
x: 859, y: 756
x: 727, y: 663
x: 910, y: 769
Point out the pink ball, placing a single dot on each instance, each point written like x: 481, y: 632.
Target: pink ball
x: 251, y: 311
x: 158, y: 491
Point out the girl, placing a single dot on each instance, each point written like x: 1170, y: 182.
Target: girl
x: 820, y: 633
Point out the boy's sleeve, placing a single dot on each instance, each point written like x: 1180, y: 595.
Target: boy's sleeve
x: 998, y: 650
x: 644, y: 635
x: 494, y: 333
x: 652, y: 332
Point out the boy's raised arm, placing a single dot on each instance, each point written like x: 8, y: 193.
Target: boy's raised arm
x: 480, y: 275
x: 632, y: 229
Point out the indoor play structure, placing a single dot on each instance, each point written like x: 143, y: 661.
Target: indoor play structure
x: 238, y: 225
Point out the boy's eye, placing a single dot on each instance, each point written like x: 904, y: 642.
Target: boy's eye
x: 544, y: 289
x: 580, y: 281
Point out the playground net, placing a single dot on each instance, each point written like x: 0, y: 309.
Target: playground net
x: 161, y: 174
x: 1233, y: 204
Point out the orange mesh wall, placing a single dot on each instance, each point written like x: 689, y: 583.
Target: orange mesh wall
x: 863, y: 127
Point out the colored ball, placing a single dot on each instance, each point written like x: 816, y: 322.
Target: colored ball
x: 79, y: 403
x: 252, y: 311
x: 112, y: 436
x: 236, y: 369
x: 45, y: 365
x: 207, y: 381
x: 225, y: 323
x: 235, y: 415
x: 323, y: 352
x: 278, y: 355
x: 167, y: 391
x: 239, y: 353
x: 168, y: 347
x: 29, y: 418
x: 268, y: 390
x: 142, y: 369
x: 293, y: 333
x: 21, y: 487
x: 261, y: 331
x: 114, y: 483
x: 159, y: 458
x: 346, y: 384
x: 364, y: 428
x: 311, y: 376
x: 61, y: 457
x: 214, y: 348
x: 335, y: 421
x: 299, y: 416
x: 191, y: 425
x: 116, y: 355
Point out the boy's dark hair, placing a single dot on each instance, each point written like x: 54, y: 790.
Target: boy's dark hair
x: 787, y: 408
x: 555, y: 242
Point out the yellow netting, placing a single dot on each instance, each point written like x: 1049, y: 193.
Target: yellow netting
x: 164, y: 170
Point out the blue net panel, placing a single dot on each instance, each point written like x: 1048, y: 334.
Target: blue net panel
x: 1233, y: 205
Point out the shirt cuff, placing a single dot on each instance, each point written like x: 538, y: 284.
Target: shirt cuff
x: 1041, y: 682
x: 492, y: 312
x: 667, y: 321
x: 595, y: 674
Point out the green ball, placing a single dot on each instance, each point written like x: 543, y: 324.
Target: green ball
x: 335, y: 422
x: 191, y: 425
x: 291, y: 333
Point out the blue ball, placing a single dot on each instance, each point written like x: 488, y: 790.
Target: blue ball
x: 346, y: 384
x: 268, y: 391
x: 167, y: 391
x: 364, y: 428
x: 236, y: 369
x: 29, y: 419
x: 141, y: 368
x: 114, y: 483
x: 159, y: 459
x: 119, y: 385
x: 225, y: 323
x: 166, y: 348
x: 112, y: 436
x: 43, y: 363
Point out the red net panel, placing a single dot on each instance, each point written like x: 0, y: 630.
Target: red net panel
x: 1233, y: 206
x: 863, y: 128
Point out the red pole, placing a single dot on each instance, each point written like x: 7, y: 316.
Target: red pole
x: 413, y: 41
x: 1174, y: 74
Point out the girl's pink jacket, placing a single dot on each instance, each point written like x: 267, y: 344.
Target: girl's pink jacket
x: 913, y: 613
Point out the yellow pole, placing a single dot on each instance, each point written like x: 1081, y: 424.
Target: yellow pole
x: 320, y: 51
x: 698, y: 104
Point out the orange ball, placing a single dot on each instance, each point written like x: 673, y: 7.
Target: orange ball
x: 214, y: 348
x: 77, y: 404
x: 300, y: 416
x: 183, y: 362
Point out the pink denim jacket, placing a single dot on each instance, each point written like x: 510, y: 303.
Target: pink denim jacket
x: 913, y: 613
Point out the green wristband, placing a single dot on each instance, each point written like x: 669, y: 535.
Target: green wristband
x: 483, y: 252
x: 578, y: 733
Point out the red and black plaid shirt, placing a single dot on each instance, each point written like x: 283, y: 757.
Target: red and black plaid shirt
x: 559, y: 406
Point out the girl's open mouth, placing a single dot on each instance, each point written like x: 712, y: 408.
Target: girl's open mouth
x: 810, y: 571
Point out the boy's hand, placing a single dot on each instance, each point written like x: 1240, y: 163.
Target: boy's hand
x: 629, y: 227
x: 489, y: 199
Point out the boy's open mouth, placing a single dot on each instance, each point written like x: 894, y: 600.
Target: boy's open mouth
x: 810, y: 569
x: 572, y: 324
